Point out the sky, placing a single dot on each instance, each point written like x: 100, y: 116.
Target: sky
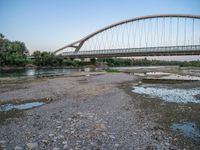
x: 47, y: 25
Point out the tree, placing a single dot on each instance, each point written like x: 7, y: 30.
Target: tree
x: 1, y: 41
x: 12, y: 53
x: 47, y: 59
x: 1, y: 36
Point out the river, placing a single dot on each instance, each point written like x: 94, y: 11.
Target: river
x: 35, y: 72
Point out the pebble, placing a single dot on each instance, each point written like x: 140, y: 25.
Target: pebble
x: 2, y: 142
x: 51, y: 135
x: 44, y: 141
x: 100, y: 127
x: 61, y: 137
x: 72, y: 132
x: 112, y: 137
x: 65, y: 146
x: 134, y: 133
x: 167, y: 144
x: 69, y: 119
x: 58, y: 127
x: 116, y: 145
x: 56, y: 148
x: 58, y: 122
x: 18, y: 148
x: 93, y: 143
x: 64, y: 142
x: 55, y: 138
x: 32, y: 145
x: 66, y: 131
x: 104, y: 134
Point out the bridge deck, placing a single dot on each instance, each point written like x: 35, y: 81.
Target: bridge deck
x: 131, y: 52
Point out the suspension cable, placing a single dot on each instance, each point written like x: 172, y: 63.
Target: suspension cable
x: 177, y: 32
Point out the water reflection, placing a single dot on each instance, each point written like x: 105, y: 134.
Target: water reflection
x: 30, y: 72
x: 188, y: 129
x: 7, y: 107
x: 43, y: 72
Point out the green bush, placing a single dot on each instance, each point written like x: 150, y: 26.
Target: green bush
x: 12, y: 53
x: 145, y: 62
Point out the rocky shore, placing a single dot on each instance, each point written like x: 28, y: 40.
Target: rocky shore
x: 87, y: 112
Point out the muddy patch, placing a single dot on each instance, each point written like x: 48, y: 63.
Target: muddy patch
x: 165, y: 81
x: 7, y: 115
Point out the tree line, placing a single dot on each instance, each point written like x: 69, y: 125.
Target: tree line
x: 15, y: 53
x: 12, y: 53
x: 116, y: 62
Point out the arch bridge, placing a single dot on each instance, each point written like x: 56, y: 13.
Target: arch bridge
x: 154, y: 35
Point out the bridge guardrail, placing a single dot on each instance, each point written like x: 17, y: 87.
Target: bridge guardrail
x: 135, y: 50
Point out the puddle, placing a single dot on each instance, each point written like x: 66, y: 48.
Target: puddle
x: 170, y: 94
x: 8, y: 107
x: 188, y: 129
x: 14, y: 108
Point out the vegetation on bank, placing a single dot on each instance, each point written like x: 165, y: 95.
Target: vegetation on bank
x: 50, y: 59
x: 12, y: 53
x: 46, y: 59
x: 15, y: 54
x: 116, y: 62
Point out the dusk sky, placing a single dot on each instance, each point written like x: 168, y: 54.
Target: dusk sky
x: 50, y: 24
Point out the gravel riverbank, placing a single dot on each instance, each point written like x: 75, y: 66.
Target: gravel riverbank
x: 88, y: 112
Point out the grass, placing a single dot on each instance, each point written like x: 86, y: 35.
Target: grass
x: 112, y: 70
x: 5, y: 115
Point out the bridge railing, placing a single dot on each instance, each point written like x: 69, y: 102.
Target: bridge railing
x: 135, y: 50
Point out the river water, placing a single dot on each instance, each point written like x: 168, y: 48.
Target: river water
x: 23, y: 106
x: 43, y: 71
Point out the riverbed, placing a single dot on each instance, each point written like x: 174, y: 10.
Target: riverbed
x: 96, y: 110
